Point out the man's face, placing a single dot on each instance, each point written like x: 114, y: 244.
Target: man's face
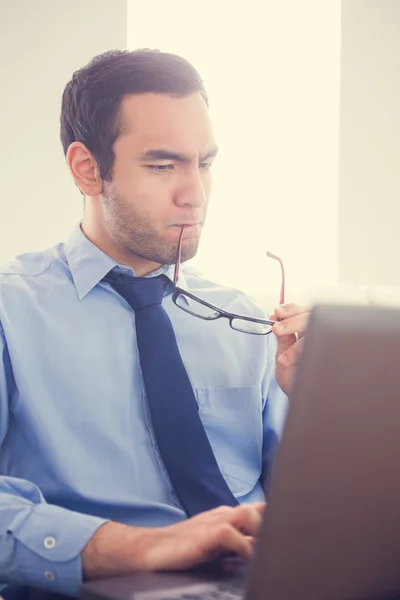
x: 161, y: 177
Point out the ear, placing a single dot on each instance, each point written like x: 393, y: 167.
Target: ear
x: 84, y: 169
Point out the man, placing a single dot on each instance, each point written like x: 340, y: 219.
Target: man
x: 123, y: 412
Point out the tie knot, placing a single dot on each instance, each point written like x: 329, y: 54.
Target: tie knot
x: 140, y: 292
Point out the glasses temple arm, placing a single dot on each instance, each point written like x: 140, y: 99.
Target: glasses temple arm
x: 279, y: 260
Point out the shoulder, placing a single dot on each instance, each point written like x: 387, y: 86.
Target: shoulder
x: 26, y: 270
x: 31, y: 264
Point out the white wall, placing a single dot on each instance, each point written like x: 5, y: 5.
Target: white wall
x: 41, y: 43
x: 272, y: 70
x: 369, y: 215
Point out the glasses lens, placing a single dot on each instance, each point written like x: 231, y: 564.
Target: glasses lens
x: 196, y: 308
x: 251, y: 326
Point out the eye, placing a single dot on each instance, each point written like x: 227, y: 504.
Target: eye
x: 160, y: 168
x: 205, y: 166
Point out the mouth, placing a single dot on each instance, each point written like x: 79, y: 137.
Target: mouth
x: 187, y: 231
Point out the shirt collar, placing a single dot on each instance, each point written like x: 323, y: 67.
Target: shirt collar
x: 89, y: 265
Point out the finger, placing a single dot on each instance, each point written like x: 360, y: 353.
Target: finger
x: 259, y: 506
x: 284, y: 343
x: 291, y: 356
x: 223, y: 510
x: 291, y: 325
x: 290, y: 310
x: 246, y: 519
x: 229, y: 539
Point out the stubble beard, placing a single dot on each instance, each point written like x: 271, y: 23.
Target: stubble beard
x: 136, y: 234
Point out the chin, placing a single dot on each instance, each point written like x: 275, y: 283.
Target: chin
x: 189, y: 249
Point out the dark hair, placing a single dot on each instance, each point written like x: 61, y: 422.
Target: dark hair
x: 90, y: 111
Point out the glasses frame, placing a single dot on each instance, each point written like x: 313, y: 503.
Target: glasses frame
x: 220, y: 312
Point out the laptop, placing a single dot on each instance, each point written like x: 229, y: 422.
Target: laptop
x: 331, y: 530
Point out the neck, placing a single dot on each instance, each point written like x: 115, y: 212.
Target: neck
x: 97, y: 234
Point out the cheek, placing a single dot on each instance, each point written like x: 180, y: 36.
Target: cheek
x: 147, y: 190
x: 156, y: 185
x: 208, y: 184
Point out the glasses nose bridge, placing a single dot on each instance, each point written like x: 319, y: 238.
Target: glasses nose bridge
x: 221, y: 311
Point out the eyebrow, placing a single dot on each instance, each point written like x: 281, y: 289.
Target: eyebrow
x: 161, y: 154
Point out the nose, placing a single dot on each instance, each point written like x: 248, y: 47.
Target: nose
x: 192, y: 190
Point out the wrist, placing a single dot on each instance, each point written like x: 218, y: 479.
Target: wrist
x: 118, y: 549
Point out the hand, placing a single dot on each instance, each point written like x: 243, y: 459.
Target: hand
x: 117, y: 549
x: 290, y: 330
x: 203, y: 538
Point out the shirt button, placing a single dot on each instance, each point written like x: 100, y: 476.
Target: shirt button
x: 49, y: 542
x: 49, y: 576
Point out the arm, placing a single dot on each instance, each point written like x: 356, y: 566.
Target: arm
x: 49, y: 547
x: 40, y: 544
x: 117, y: 549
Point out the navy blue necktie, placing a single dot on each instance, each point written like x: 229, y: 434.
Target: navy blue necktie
x: 181, y: 438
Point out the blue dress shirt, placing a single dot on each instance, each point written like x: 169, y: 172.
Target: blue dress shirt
x: 76, y: 441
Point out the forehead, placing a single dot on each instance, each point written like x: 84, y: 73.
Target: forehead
x: 159, y: 120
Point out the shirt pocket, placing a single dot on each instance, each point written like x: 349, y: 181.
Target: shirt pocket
x: 232, y: 418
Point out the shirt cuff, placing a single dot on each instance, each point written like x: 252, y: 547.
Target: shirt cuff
x: 48, y: 546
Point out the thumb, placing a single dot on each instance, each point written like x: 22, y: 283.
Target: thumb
x: 284, y: 343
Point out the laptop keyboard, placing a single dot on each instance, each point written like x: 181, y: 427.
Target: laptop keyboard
x: 220, y: 593
x: 215, y: 591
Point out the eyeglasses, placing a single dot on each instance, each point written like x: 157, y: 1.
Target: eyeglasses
x: 197, y: 307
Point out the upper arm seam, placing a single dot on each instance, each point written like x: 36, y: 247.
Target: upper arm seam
x: 25, y: 274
